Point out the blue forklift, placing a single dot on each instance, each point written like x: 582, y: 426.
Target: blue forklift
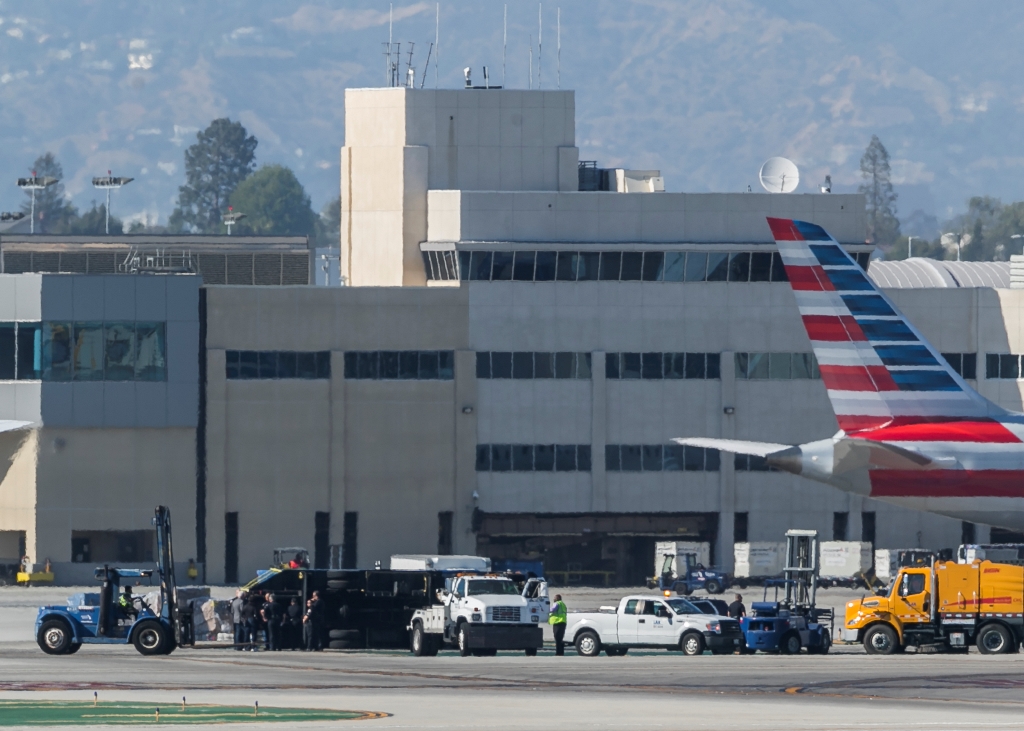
x: 101, y: 619
x: 693, y: 577
x: 791, y: 623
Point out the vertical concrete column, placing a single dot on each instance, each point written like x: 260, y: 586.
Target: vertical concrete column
x: 727, y: 471
x: 464, y: 455
x: 336, y: 442
x: 217, y: 476
x: 598, y: 432
x: 855, y: 526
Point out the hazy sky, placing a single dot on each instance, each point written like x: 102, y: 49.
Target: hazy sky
x: 705, y: 91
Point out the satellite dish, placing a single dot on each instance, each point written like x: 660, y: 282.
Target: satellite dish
x: 779, y: 175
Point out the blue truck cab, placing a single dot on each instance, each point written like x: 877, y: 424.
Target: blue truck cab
x: 784, y: 626
x: 99, y: 617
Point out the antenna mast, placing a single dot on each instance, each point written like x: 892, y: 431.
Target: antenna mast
x: 410, y: 72
x: 540, y: 46
x: 426, y: 66
x: 391, y: 23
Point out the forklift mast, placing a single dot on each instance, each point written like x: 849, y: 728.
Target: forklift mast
x: 169, y: 610
x: 801, y: 571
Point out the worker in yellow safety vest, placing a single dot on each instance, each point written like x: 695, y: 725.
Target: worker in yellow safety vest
x: 557, y: 619
x: 126, y: 603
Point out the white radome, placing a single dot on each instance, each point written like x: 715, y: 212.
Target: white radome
x: 779, y: 175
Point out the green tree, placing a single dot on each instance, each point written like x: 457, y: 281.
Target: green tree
x: 221, y: 158
x: 883, y: 226
x: 328, y: 225
x: 274, y: 203
x: 53, y: 209
x: 93, y: 222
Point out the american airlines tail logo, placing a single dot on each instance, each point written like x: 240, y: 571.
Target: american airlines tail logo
x: 911, y: 430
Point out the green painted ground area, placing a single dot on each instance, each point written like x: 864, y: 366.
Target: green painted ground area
x: 117, y: 713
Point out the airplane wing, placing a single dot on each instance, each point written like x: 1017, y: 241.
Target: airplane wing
x: 734, y: 446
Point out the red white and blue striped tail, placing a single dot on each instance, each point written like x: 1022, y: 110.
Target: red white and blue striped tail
x: 878, y: 369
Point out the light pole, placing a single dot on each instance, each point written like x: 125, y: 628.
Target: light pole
x: 231, y: 218
x: 959, y: 240
x: 910, y: 246
x: 35, y: 183
x: 110, y: 183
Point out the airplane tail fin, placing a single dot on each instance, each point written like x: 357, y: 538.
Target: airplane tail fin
x: 878, y: 369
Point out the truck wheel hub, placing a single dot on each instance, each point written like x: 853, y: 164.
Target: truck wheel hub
x: 149, y: 639
x: 587, y: 645
x: 54, y: 638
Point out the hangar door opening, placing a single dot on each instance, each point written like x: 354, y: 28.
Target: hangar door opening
x: 588, y: 549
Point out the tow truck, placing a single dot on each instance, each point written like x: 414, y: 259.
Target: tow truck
x: 693, y: 576
x: 793, y: 622
x: 481, y: 614
x: 91, y: 618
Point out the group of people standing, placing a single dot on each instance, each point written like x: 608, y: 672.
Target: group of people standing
x: 284, y: 626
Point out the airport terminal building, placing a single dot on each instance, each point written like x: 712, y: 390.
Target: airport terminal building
x: 516, y: 344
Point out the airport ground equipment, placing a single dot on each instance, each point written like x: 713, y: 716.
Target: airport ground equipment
x: 753, y: 562
x: 96, y: 618
x: 946, y: 606
x: 680, y: 568
x: 652, y: 621
x: 481, y: 614
x: 294, y: 557
x: 844, y: 563
x: 792, y: 621
x: 889, y: 561
x: 1011, y: 553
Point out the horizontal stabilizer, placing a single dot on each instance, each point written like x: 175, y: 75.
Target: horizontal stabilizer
x: 733, y: 446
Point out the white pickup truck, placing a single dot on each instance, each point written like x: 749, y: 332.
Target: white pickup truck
x: 652, y: 621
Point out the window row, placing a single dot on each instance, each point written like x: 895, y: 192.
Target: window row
x: 532, y: 365
x: 400, y: 365
x: 965, y: 364
x: 751, y: 463
x: 608, y: 266
x: 533, y: 458
x: 660, y: 458
x: 250, y: 365
x: 776, y: 366
x: 1002, y: 365
x: 83, y: 351
x: 658, y: 366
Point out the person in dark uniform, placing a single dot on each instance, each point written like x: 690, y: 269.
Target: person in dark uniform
x: 293, y: 625
x: 316, y: 623
x: 272, y: 616
x: 736, y: 609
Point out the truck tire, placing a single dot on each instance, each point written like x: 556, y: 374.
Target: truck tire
x: 994, y: 639
x: 149, y: 637
x: 462, y: 640
x: 683, y: 590
x: 338, y: 584
x: 790, y: 644
x: 881, y: 639
x: 342, y: 645
x: 419, y: 641
x: 588, y: 644
x: 333, y: 574
x: 54, y: 637
x: 531, y: 652
x: 74, y: 647
x: 344, y: 634
x: 615, y: 651
x: 714, y: 587
x: 822, y: 647
x: 692, y: 644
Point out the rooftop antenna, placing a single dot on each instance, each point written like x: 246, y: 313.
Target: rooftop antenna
x: 531, y: 60
x: 426, y: 66
x: 410, y: 73
x: 391, y: 23
x: 437, y: 40
x: 558, y: 54
x: 504, y: 44
x: 487, y: 79
x: 779, y: 175
x: 540, y: 46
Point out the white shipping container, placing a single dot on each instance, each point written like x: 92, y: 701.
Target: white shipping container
x: 759, y: 559
x: 425, y: 562
x: 843, y: 559
x: 701, y: 551
x: 887, y: 563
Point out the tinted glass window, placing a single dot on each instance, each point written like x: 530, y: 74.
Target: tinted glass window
x: 583, y: 369
x: 30, y: 350
x: 713, y: 363
x: 543, y: 365
x: 483, y: 365
x: 545, y: 266
x: 674, y: 457
x: 696, y: 266
x: 675, y: 365
x: 565, y: 458
x: 544, y: 457
x: 501, y: 365
x: 589, y: 266
x: 446, y: 365
x: 367, y: 365
x: 630, y: 365
x: 611, y: 365
x: 464, y: 268
x: 651, y: 365
x: 483, y: 458
x: 480, y: 268
x: 611, y: 263
x: 501, y: 457
x: 119, y: 353
x: 761, y: 266
x: 718, y: 267
x: 583, y: 457
x: 652, y: 457
x: 389, y: 364
x: 632, y: 266
x: 612, y: 458
x: 780, y: 366
x: 970, y: 364
x: 522, y: 270
x: 428, y: 365
x: 522, y: 365
x: 565, y: 365
x: 287, y: 364
x: 501, y: 269
x: 408, y: 365
x: 267, y: 364
x: 567, y: 266
x: 739, y: 267
x: 522, y: 457
x: 675, y: 265
x: 693, y: 459
x: 654, y: 261
x: 247, y: 364
x: 632, y: 460
x: 778, y: 269
x: 696, y: 365
x: 8, y: 346
x: 88, y: 352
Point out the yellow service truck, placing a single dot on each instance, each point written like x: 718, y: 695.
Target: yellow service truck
x: 947, y: 605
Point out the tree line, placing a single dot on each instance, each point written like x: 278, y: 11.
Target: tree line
x: 220, y: 176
